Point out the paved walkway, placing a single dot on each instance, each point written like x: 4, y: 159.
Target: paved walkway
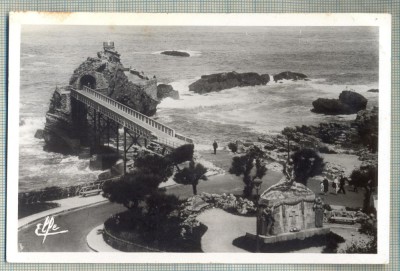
x: 78, y: 222
x: 67, y: 204
x: 96, y: 242
x: 222, y: 231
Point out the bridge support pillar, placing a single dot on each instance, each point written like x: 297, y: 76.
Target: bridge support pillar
x: 108, y: 132
x: 125, y: 151
x: 95, y: 128
x: 117, y: 140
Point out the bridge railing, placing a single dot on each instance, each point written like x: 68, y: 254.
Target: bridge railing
x: 184, y: 138
x: 137, y: 115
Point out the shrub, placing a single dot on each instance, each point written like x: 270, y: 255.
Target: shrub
x: 181, y: 154
x: 233, y: 147
x: 154, y: 164
x: 306, y: 163
x: 243, y: 165
x: 359, y: 177
x: 131, y: 188
x: 368, y: 227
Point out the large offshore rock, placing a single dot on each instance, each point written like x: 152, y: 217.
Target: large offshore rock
x: 226, y: 80
x: 175, y: 53
x: 353, y: 99
x: 349, y: 102
x: 220, y: 81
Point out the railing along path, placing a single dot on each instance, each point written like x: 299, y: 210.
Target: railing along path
x: 129, y: 118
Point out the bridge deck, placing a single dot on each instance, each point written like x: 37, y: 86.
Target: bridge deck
x: 129, y: 118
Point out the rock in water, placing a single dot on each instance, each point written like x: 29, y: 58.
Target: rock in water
x: 165, y: 91
x: 175, y: 53
x: 67, y: 129
x: 39, y: 134
x: 289, y: 76
x: 349, y: 102
x: 353, y: 99
x: 373, y: 90
x: 220, y: 81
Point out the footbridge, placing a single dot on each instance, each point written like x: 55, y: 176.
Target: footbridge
x: 134, y: 123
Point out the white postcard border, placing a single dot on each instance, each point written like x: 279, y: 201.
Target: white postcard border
x: 383, y: 21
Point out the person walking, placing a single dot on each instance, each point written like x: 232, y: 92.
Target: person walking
x: 326, y: 185
x: 336, y: 185
x: 215, y: 146
x: 342, y: 184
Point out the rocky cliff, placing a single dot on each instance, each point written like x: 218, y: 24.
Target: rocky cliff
x: 349, y: 102
x: 106, y: 74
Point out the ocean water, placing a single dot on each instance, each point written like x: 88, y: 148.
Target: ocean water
x: 334, y: 58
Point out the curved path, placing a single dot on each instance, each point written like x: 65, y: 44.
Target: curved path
x: 221, y: 232
x: 78, y: 223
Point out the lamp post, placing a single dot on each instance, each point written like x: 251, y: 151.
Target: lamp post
x: 257, y: 185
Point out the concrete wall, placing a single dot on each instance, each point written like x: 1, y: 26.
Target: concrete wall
x: 65, y: 99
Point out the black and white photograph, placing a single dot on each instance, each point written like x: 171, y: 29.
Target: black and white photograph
x: 250, y: 135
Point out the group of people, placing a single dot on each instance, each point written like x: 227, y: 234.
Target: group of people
x: 337, y: 184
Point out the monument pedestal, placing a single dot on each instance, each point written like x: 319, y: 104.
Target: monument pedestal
x: 300, y: 235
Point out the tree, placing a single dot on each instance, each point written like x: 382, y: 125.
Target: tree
x: 181, y: 154
x: 289, y: 134
x: 131, y: 188
x: 154, y: 164
x: 191, y: 175
x: 306, y: 163
x: 360, y: 177
x: 244, y: 165
x: 367, y: 177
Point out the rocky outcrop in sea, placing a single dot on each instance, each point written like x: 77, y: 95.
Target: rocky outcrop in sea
x: 288, y: 75
x: 227, y: 80
x: 105, y: 74
x: 166, y: 91
x: 349, y: 102
x: 175, y: 53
